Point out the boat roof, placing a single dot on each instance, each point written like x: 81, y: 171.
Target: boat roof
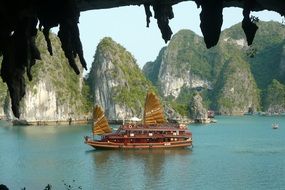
x: 134, y: 119
x: 153, y: 128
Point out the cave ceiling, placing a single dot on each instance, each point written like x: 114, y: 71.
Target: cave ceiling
x: 20, y: 21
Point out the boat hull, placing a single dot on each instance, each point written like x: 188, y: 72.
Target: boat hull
x: 112, y: 145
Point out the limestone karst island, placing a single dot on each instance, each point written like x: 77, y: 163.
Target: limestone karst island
x: 190, y: 80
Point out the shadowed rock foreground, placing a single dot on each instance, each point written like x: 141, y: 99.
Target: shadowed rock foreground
x: 19, y: 21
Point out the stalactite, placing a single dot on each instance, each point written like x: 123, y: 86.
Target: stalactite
x: 49, y: 16
x: 163, y: 13
x: 198, y: 3
x: 69, y: 35
x: 18, y: 29
x: 19, y: 50
x: 66, y: 15
x: 248, y: 26
x: 17, y: 40
x: 211, y: 18
x: 147, y: 13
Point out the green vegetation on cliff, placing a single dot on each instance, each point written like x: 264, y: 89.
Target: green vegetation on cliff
x: 181, y: 104
x: 226, y: 66
x: 236, y: 90
x: 55, y: 71
x: 185, y: 51
x: 115, y: 70
x: 52, y: 75
x: 3, y: 88
x: 3, y: 92
x: 275, y: 96
x: 268, y: 44
x: 235, y: 79
x: 268, y: 65
x: 151, y: 69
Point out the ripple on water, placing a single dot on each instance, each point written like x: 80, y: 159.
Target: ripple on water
x: 254, y: 150
x: 237, y: 153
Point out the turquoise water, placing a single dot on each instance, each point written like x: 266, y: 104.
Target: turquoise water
x: 235, y: 153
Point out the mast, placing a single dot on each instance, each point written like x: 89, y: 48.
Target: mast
x: 145, y: 102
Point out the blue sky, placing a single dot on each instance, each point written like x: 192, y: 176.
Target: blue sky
x: 127, y: 26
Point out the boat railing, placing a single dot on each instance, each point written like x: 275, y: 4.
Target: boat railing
x: 151, y: 135
x: 158, y: 126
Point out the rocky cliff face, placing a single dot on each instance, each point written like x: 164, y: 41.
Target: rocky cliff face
x: 19, y: 22
x: 3, y: 94
x: 171, y: 85
x: 179, y: 65
x: 57, y: 96
x: 40, y: 103
x: 197, y: 109
x: 117, y: 83
x: 230, y: 75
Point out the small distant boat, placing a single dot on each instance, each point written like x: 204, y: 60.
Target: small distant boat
x: 211, y: 114
x: 153, y: 132
x: 275, y: 126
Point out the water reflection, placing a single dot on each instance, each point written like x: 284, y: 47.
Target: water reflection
x: 143, y: 168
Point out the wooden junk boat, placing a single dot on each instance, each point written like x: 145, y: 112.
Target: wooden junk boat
x: 153, y: 132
